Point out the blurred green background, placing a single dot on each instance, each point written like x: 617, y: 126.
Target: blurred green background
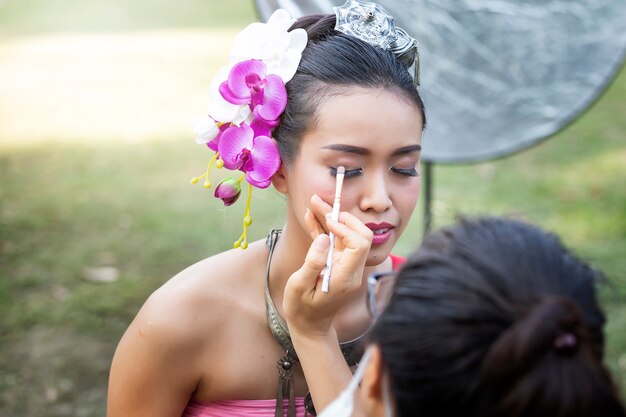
x: 96, y: 210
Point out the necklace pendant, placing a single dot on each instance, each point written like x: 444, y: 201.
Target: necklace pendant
x: 285, y: 366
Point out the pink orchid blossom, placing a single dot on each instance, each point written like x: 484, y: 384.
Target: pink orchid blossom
x: 257, y: 156
x: 263, y: 127
x: 248, y: 83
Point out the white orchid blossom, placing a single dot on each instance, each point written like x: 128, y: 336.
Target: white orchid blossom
x: 205, y: 129
x: 273, y: 44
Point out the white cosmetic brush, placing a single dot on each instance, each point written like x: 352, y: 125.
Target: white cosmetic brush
x: 341, y: 171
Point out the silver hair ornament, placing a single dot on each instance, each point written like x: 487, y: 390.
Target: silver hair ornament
x: 371, y: 23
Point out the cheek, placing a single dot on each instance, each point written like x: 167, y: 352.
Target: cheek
x: 320, y: 183
x: 325, y: 188
x: 407, y: 197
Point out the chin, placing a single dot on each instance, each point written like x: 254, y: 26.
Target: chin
x: 378, y: 254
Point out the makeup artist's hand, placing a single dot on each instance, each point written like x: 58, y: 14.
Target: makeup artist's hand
x: 308, y: 310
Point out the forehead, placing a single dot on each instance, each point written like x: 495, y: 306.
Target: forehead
x: 374, y: 118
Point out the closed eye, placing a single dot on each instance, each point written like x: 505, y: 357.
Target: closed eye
x: 349, y: 172
x: 409, y: 172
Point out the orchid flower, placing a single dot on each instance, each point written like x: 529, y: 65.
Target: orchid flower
x: 248, y: 84
x: 208, y: 132
x: 222, y: 110
x: 257, y: 156
x: 272, y: 43
x: 213, y: 144
x: 247, y: 99
x: 205, y: 129
x: 263, y: 127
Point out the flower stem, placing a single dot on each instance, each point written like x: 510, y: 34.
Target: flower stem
x: 207, y: 183
x: 247, y: 221
x: 211, y: 162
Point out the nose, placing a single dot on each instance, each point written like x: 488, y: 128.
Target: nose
x: 375, y: 195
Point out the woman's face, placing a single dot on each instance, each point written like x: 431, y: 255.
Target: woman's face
x: 376, y: 135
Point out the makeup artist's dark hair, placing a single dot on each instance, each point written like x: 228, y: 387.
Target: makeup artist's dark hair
x: 331, y: 62
x: 494, y: 317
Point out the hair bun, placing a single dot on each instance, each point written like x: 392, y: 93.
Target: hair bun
x: 317, y: 26
x: 555, y: 324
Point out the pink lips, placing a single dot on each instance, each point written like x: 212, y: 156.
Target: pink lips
x: 382, y: 232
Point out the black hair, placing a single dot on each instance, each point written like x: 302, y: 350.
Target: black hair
x: 474, y: 325
x: 330, y: 62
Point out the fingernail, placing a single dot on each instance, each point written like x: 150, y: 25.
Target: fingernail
x: 321, y: 242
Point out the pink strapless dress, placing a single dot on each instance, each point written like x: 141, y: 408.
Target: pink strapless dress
x: 239, y: 408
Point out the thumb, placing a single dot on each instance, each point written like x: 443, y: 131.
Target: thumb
x: 316, y: 256
x: 306, y: 276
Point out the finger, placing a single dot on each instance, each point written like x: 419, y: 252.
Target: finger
x: 353, y: 254
x: 320, y: 208
x: 305, y: 278
x: 350, y: 255
x: 348, y: 237
x: 357, y: 225
x: 315, y: 228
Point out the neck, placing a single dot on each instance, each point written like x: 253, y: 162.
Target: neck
x: 289, y: 254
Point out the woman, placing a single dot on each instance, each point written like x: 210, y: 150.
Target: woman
x: 201, y: 344
x: 488, y: 318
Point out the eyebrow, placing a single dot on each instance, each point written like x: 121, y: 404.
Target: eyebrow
x: 340, y: 147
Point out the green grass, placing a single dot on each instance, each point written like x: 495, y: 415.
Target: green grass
x: 66, y: 205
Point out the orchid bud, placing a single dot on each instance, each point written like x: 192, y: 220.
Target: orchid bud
x: 228, y: 190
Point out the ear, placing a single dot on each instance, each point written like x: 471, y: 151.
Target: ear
x: 371, y: 393
x: 279, y: 180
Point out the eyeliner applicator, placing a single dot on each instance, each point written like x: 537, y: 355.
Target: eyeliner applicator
x: 341, y: 171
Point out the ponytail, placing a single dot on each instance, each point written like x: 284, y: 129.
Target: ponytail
x: 546, y: 361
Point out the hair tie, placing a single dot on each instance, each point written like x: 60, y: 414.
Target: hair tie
x: 565, y: 342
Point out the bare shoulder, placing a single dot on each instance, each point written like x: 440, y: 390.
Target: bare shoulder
x: 201, y: 297
x: 161, y: 360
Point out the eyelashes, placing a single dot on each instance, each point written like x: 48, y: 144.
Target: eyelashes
x: 407, y: 172
x: 410, y: 172
x: 349, y: 172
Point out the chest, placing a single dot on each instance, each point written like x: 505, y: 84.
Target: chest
x: 243, y: 362
x: 242, y: 359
